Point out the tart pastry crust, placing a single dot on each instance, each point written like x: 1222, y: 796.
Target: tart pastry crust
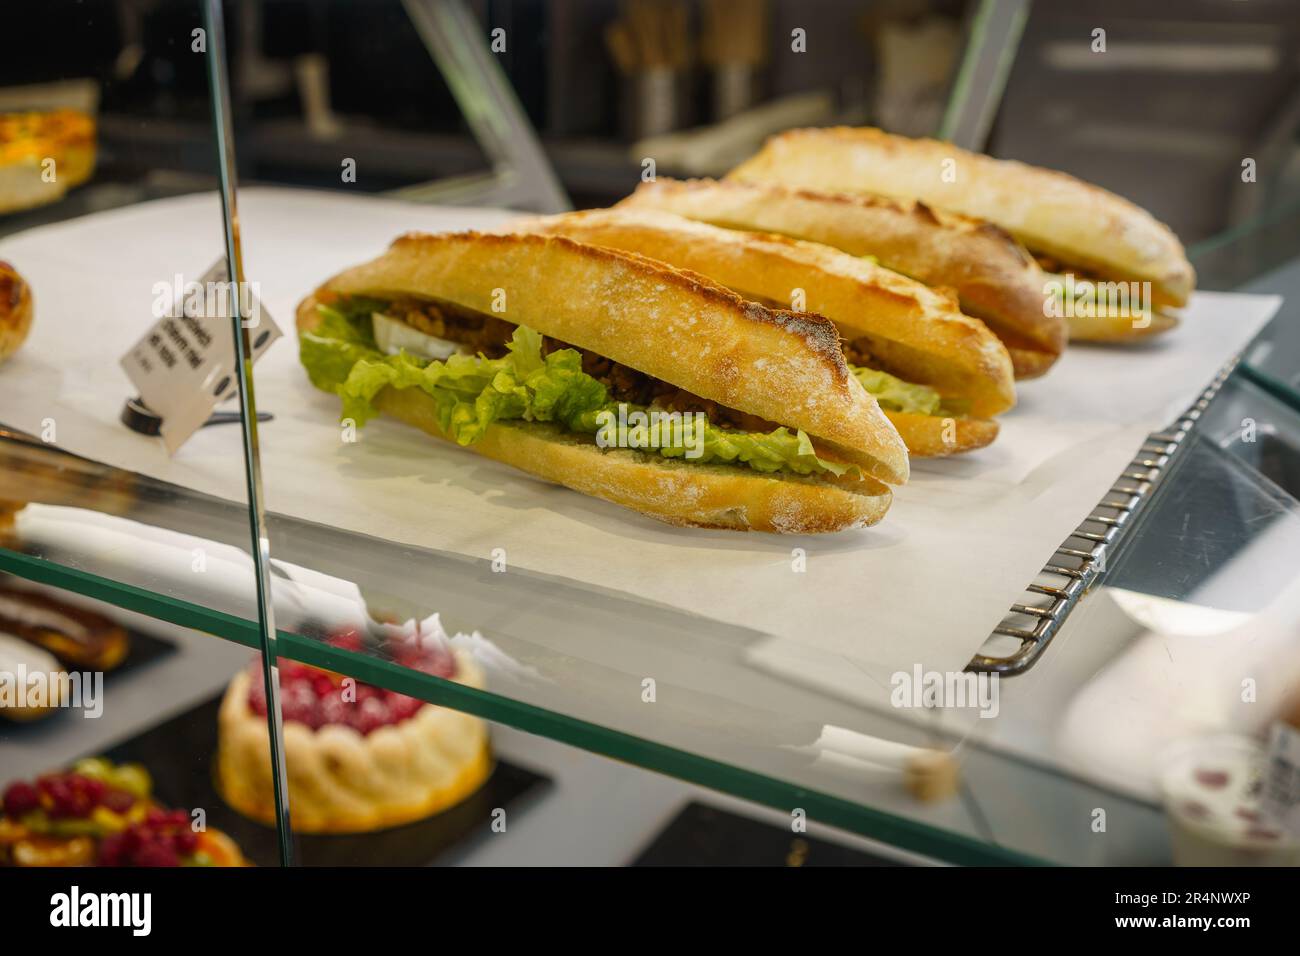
x: 343, y: 781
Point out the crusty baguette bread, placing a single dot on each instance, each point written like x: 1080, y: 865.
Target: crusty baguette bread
x: 1029, y: 363
x: 1117, y: 328
x: 925, y: 339
x: 994, y: 278
x: 1052, y: 213
x: 932, y: 436
x: 672, y: 325
x: 680, y: 493
x: 15, y: 310
x: 930, y: 341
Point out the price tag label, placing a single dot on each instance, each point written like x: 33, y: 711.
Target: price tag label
x: 184, y: 365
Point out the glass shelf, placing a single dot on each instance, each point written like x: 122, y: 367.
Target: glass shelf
x: 567, y: 662
x: 92, y: 144
x: 717, y: 721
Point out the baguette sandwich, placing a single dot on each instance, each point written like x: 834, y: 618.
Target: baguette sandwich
x: 1100, y: 251
x: 938, y: 374
x: 994, y: 278
x: 610, y: 374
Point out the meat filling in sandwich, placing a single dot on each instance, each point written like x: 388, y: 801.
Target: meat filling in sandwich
x: 481, y: 369
x: 611, y: 374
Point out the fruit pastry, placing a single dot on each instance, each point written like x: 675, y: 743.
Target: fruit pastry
x: 99, y: 814
x: 358, y: 757
x: 82, y: 639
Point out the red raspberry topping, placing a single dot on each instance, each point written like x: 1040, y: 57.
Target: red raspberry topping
x: 185, y: 842
x: 162, y: 839
x: 115, y: 848
x: 92, y: 787
x: 20, y: 798
x: 155, y: 853
x: 119, y: 801
x: 349, y: 639
x: 65, y: 796
x: 315, y: 697
x: 68, y: 795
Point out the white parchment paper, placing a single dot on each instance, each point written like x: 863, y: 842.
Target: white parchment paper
x: 927, y: 585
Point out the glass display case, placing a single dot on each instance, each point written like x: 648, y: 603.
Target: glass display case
x: 122, y: 340
x: 397, y: 633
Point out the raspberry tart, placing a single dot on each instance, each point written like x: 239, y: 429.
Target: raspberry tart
x: 358, y: 757
x: 98, y: 814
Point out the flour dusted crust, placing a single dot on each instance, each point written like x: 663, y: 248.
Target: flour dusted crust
x: 925, y: 338
x: 671, y: 324
x: 675, y: 492
x: 1050, y: 212
x: 932, y: 436
x: 15, y: 310
x: 994, y: 278
x: 931, y: 341
x: 341, y: 781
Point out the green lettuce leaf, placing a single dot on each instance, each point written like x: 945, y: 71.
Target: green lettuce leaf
x: 342, y: 339
x: 895, y: 395
x: 778, y: 450
x: 472, y: 392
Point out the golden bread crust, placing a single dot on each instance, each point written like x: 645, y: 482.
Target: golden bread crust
x: 933, y: 436
x: 1115, y: 328
x: 933, y: 343
x: 994, y: 278
x: 28, y: 140
x: 1029, y: 363
x: 675, y: 492
x: 1050, y: 212
x: 15, y: 310
x: 668, y: 323
x: 678, y: 493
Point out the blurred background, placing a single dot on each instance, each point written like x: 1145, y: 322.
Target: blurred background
x: 1182, y: 93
